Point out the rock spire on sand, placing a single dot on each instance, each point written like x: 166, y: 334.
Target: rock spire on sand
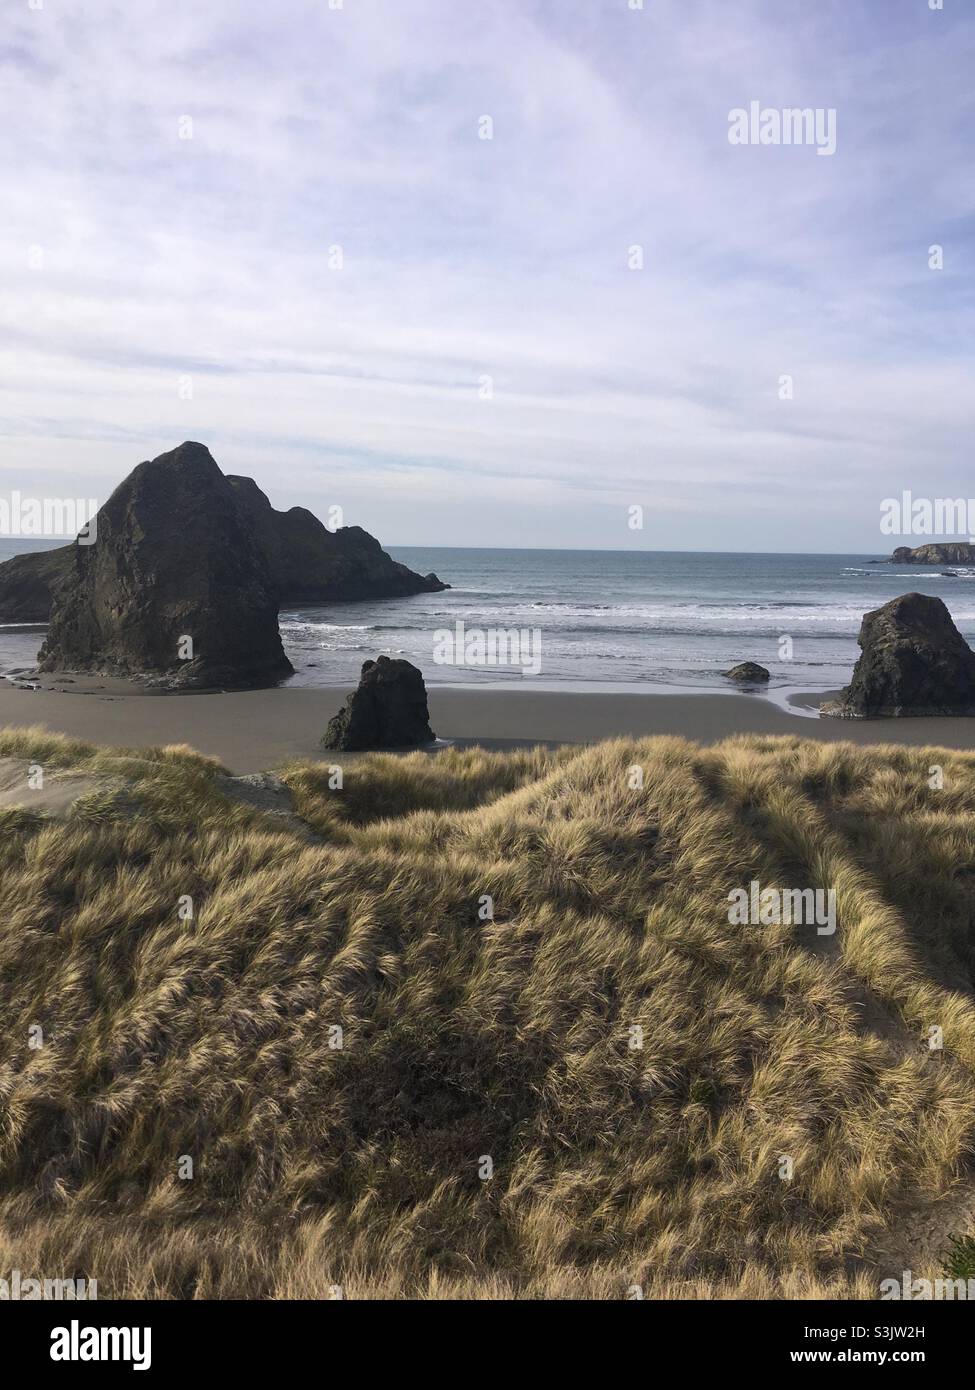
x: 388, y: 709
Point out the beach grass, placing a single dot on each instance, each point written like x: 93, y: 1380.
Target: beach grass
x: 480, y: 1024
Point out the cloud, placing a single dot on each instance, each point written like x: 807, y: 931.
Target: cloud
x: 187, y: 287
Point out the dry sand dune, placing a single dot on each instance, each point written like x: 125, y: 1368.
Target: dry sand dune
x: 561, y: 1069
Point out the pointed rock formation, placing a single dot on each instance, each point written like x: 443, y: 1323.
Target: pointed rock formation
x: 175, y: 587
x: 388, y: 709
x: 914, y: 661
x: 307, y: 562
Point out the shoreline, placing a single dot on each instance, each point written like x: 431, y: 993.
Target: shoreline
x: 257, y: 730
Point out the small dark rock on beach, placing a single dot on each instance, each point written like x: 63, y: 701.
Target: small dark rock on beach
x: 388, y: 709
x: 748, y: 672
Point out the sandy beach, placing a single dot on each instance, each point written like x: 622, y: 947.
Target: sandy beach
x: 250, y: 731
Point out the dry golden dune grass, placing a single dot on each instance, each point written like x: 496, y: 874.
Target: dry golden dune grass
x: 615, y: 1166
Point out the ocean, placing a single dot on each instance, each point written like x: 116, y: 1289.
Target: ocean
x: 607, y: 619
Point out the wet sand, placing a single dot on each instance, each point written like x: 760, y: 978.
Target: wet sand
x: 250, y: 731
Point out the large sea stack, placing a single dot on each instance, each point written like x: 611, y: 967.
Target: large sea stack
x: 307, y: 563
x: 913, y: 661
x: 175, y: 587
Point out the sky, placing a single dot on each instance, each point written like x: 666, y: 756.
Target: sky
x: 279, y: 229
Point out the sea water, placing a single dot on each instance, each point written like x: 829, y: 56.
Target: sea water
x: 652, y: 619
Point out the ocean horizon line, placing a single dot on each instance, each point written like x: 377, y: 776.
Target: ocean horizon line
x: 634, y: 550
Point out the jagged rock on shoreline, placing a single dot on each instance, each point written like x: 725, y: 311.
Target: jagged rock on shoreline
x: 388, y: 709
x: 913, y: 661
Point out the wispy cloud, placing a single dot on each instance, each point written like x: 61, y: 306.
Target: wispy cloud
x: 156, y: 288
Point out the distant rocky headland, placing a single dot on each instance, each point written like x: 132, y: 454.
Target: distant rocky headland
x: 937, y: 553
x: 186, y: 577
